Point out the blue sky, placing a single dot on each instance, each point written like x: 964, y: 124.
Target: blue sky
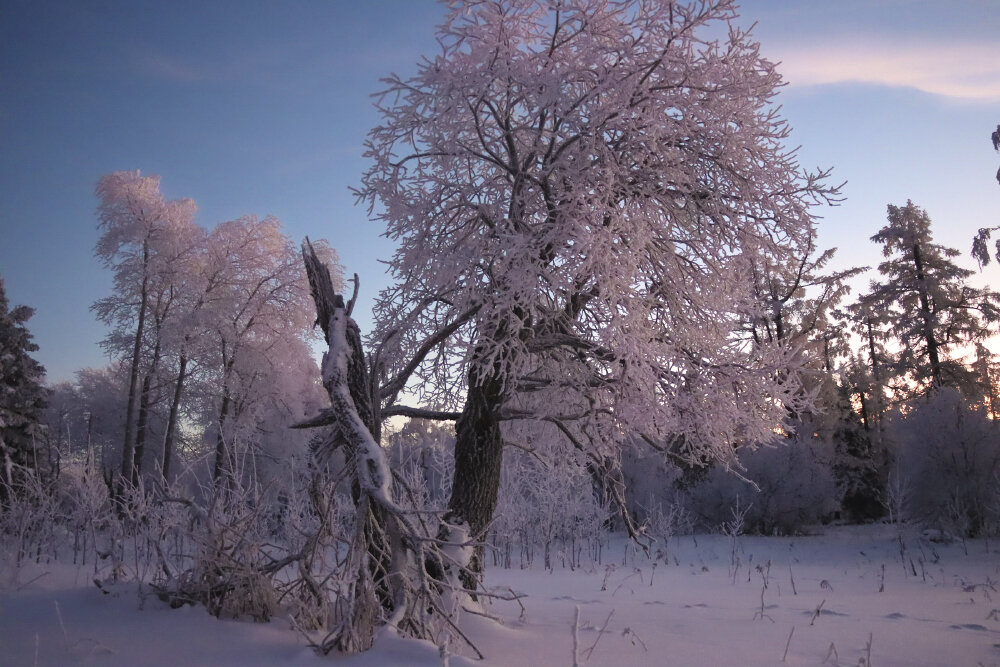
x: 262, y: 107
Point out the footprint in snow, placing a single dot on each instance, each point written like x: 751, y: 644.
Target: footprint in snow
x: 970, y: 626
x: 824, y: 612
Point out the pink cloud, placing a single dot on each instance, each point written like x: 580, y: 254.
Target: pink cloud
x: 964, y: 71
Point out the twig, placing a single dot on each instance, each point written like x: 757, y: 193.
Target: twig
x: 787, y: 644
x: 817, y: 612
x: 31, y: 581
x: 576, y: 637
x: 62, y: 626
x: 868, y: 652
x: 629, y: 632
x: 832, y: 652
x: 600, y: 633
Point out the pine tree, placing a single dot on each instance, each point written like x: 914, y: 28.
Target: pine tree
x: 22, y: 398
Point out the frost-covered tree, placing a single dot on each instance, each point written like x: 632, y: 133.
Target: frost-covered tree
x: 257, y: 316
x: 950, y: 462
x: 980, y: 246
x: 988, y: 381
x: 211, y: 325
x: 85, y: 417
x: 923, y: 304
x: 143, y: 234
x: 22, y: 398
x: 800, y: 302
x: 580, y: 191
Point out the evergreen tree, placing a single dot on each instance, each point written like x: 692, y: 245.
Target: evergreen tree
x: 858, y: 464
x: 22, y: 398
x: 980, y: 247
x: 924, y: 306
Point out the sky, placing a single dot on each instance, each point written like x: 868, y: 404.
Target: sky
x: 262, y: 108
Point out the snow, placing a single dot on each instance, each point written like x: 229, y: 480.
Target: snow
x: 695, y: 608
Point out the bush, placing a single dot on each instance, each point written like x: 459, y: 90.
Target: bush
x: 949, y: 454
x: 796, y: 488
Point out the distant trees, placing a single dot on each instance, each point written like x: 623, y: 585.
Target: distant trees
x: 22, y: 398
x: 258, y: 308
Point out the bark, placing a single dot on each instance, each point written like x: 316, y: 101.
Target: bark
x: 128, y: 452
x: 865, y: 421
x: 222, y: 468
x: 928, y: 317
x: 478, y: 460
x: 359, y: 426
x: 169, y: 435
x: 142, y: 425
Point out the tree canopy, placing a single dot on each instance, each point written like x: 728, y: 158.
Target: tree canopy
x: 580, y: 191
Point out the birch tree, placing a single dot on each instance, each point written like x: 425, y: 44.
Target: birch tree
x: 258, y: 301
x: 580, y: 191
x: 141, y: 231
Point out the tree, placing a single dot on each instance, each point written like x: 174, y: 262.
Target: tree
x: 257, y: 306
x: 143, y: 235
x: 924, y: 305
x: 988, y: 380
x: 980, y: 249
x: 949, y: 458
x: 229, y: 308
x: 22, y: 398
x: 580, y: 191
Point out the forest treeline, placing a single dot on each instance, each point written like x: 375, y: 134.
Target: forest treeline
x: 210, y: 335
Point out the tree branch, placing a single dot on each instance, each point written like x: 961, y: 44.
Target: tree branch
x: 391, y: 389
x: 420, y: 413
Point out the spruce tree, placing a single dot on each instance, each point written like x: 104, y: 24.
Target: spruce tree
x: 22, y: 398
x: 924, y: 305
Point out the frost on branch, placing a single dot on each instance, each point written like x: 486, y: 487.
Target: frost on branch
x: 596, y: 183
x: 396, y: 574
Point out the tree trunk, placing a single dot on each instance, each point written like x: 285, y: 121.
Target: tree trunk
x: 128, y: 453
x: 478, y: 461
x: 865, y: 421
x: 376, y: 595
x: 928, y: 317
x: 142, y: 425
x: 222, y: 468
x: 168, y: 436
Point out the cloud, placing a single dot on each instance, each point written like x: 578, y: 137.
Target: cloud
x: 961, y: 71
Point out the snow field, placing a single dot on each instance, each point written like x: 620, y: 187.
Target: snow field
x: 702, y: 601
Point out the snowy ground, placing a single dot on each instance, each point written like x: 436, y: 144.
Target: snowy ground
x: 939, y: 605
